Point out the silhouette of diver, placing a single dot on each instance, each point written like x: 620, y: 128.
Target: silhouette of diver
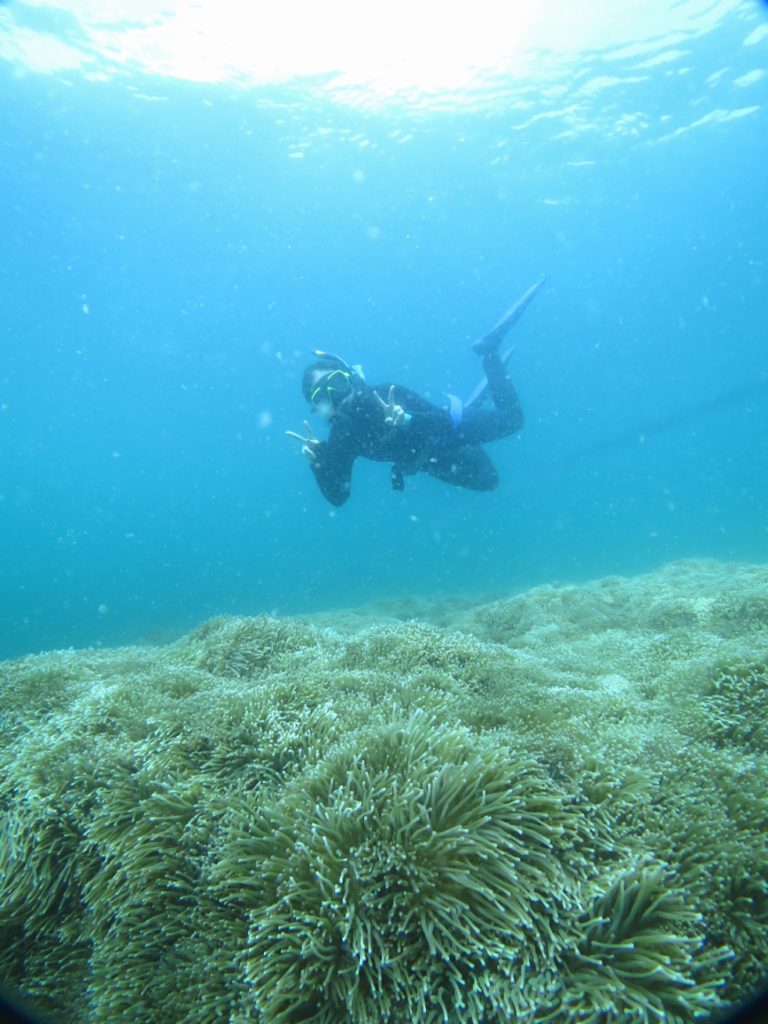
x: 405, y: 429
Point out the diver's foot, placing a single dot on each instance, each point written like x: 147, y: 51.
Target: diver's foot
x: 488, y: 343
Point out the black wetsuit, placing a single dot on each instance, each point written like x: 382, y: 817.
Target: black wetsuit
x: 430, y: 442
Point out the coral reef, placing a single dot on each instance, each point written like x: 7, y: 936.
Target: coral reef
x: 548, y: 808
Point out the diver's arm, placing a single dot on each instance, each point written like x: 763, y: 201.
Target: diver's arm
x: 436, y: 420
x: 417, y: 413
x: 332, y: 467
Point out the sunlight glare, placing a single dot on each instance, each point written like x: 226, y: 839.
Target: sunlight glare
x: 406, y: 47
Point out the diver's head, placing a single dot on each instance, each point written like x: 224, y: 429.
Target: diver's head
x: 328, y: 382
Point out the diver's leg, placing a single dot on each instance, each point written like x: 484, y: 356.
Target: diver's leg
x: 502, y: 391
x: 490, y: 346
x: 478, y: 425
x: 468, y: 466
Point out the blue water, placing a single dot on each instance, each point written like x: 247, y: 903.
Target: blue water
x: 173, y: 250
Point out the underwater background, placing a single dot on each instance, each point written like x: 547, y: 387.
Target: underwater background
x: 185, y: 218
x: 434, y: 757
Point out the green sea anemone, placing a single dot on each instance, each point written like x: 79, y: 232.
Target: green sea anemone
x: 420, y: 879
x: 639, y: 955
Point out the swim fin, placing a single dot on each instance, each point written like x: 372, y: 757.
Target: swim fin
x: 495, y: 336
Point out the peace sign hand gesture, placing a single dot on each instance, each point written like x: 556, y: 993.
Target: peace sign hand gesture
x: 394, y: 414
x: 309, y: 444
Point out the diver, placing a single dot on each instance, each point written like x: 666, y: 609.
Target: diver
x: 391, y: 423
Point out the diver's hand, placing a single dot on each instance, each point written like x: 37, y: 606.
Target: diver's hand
x: 394, y: 414
x: 309, y: 444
